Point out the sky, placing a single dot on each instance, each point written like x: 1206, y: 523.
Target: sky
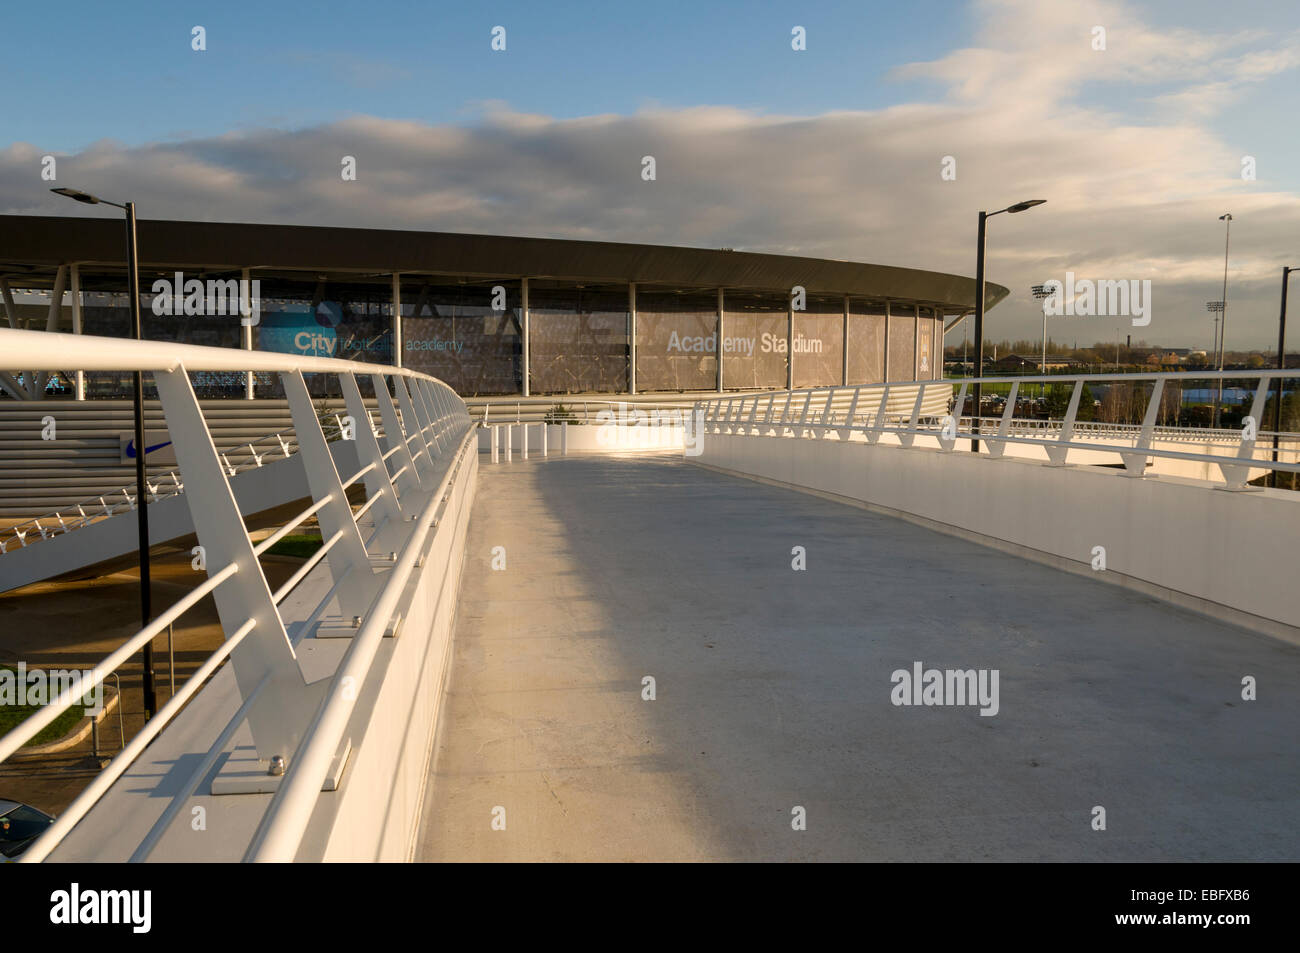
x: 836, y: 150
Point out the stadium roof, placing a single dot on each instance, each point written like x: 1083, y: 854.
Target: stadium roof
x: 32, y: 247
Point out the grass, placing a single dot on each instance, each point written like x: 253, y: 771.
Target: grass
x: 300, y: 545
x: 11, y: 716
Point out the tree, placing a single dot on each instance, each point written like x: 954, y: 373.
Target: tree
x: 1057, y: 402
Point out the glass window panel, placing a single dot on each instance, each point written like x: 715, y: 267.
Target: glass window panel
x: 754, y: 342
x: 902, y: 342
x: 819, y: 343
x: 676, y: 341
x: 577, y: 340
x: 866, y: 341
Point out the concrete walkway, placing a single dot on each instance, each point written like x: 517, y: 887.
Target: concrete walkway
x: 773, y: 690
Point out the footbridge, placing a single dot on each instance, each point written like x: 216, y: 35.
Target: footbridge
x: 710, y: 635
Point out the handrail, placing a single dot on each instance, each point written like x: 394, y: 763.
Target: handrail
x: 290, y: 526
x: 284, y: 824
x: 29, y: 728
x: 379, y: 591
x: 50, y: 838
x: 1134, y: 441
x: 306, y: 567
x: 106, y: 510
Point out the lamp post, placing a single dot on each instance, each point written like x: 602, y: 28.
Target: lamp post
x: 141, y: 486
x: 1216, y: 308
x: 1281, y: 366
x: 1043, y: 294
x: 1226, y: 218
x: 979, y: 305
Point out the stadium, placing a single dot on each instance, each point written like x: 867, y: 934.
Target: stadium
x: 490, y: 315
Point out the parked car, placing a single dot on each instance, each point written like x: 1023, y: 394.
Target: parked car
x: 20, y: 825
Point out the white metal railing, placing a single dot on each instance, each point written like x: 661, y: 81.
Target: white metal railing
x: 236, y: 459
x: 934, y: 410
x: 559, y: 409
x: 406, y: 489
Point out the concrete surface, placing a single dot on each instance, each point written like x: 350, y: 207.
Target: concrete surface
x: 1176, y: 539
x: 773, y: 690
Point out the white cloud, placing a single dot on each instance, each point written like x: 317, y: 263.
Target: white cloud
x: 1126, y: 200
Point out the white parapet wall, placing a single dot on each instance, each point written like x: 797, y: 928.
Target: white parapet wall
x: 582, y: 438
x: 1208, y: 549
x: 379, y: 807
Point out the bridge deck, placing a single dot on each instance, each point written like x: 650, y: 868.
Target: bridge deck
x: 773, y: 690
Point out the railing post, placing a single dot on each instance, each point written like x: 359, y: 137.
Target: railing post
x: 393, y: 434
x: 998, y: 445
x: 826, y: 414
x: 492, y: 442
x: 368, y: 452
x: 348, y: 562
x: 907, y: 439
x: 425, y: 410
x: 874, y: 431
x: 564, y: 438
x: 1058, y: 455
x: 847, y: 430
x: 1236, y: 475
x: 785, y: 411
x: 412, y: 424
x: 1135, y: 463
x: 280, y: 713
x: 946, y: 442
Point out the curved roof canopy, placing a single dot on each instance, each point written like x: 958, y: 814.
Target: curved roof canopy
x: 32, y: 247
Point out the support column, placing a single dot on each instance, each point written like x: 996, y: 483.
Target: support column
x: 40, y: 378
x: 631, y: 337
x: 397, y: 320
x: 845, y: 345
x: 246, y: 332
x: 80, y: 389
x: 720, y: 336
x: 523, y: 326
x: 936, y: 346
x: 884, y: 364
x: 916, y: 340
x: 789, y: 345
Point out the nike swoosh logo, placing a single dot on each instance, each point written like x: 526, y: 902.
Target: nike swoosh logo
x: 130, y: 448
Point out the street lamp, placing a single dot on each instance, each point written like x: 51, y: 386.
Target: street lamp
x: 1281, y: 365
x: 979, y: 305
x: 141, y: 487
x: 1226, y: 218
x: 1216, y: 308
x: 1043, y: 293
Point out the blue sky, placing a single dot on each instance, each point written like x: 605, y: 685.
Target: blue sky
x: 831, y: 151
x: 267, y: 64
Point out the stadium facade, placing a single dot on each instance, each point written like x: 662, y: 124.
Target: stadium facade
x: 490, y: 315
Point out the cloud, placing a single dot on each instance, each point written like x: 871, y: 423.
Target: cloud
x: 1127, y: 199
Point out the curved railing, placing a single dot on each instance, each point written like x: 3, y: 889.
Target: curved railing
x: 934, y: 409
x: 244, y: 456
x: 406, y: 481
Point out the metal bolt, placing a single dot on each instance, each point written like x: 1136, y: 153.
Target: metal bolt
x: 392, y: 557
x: 277, y: 767
x: 356, y: 622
